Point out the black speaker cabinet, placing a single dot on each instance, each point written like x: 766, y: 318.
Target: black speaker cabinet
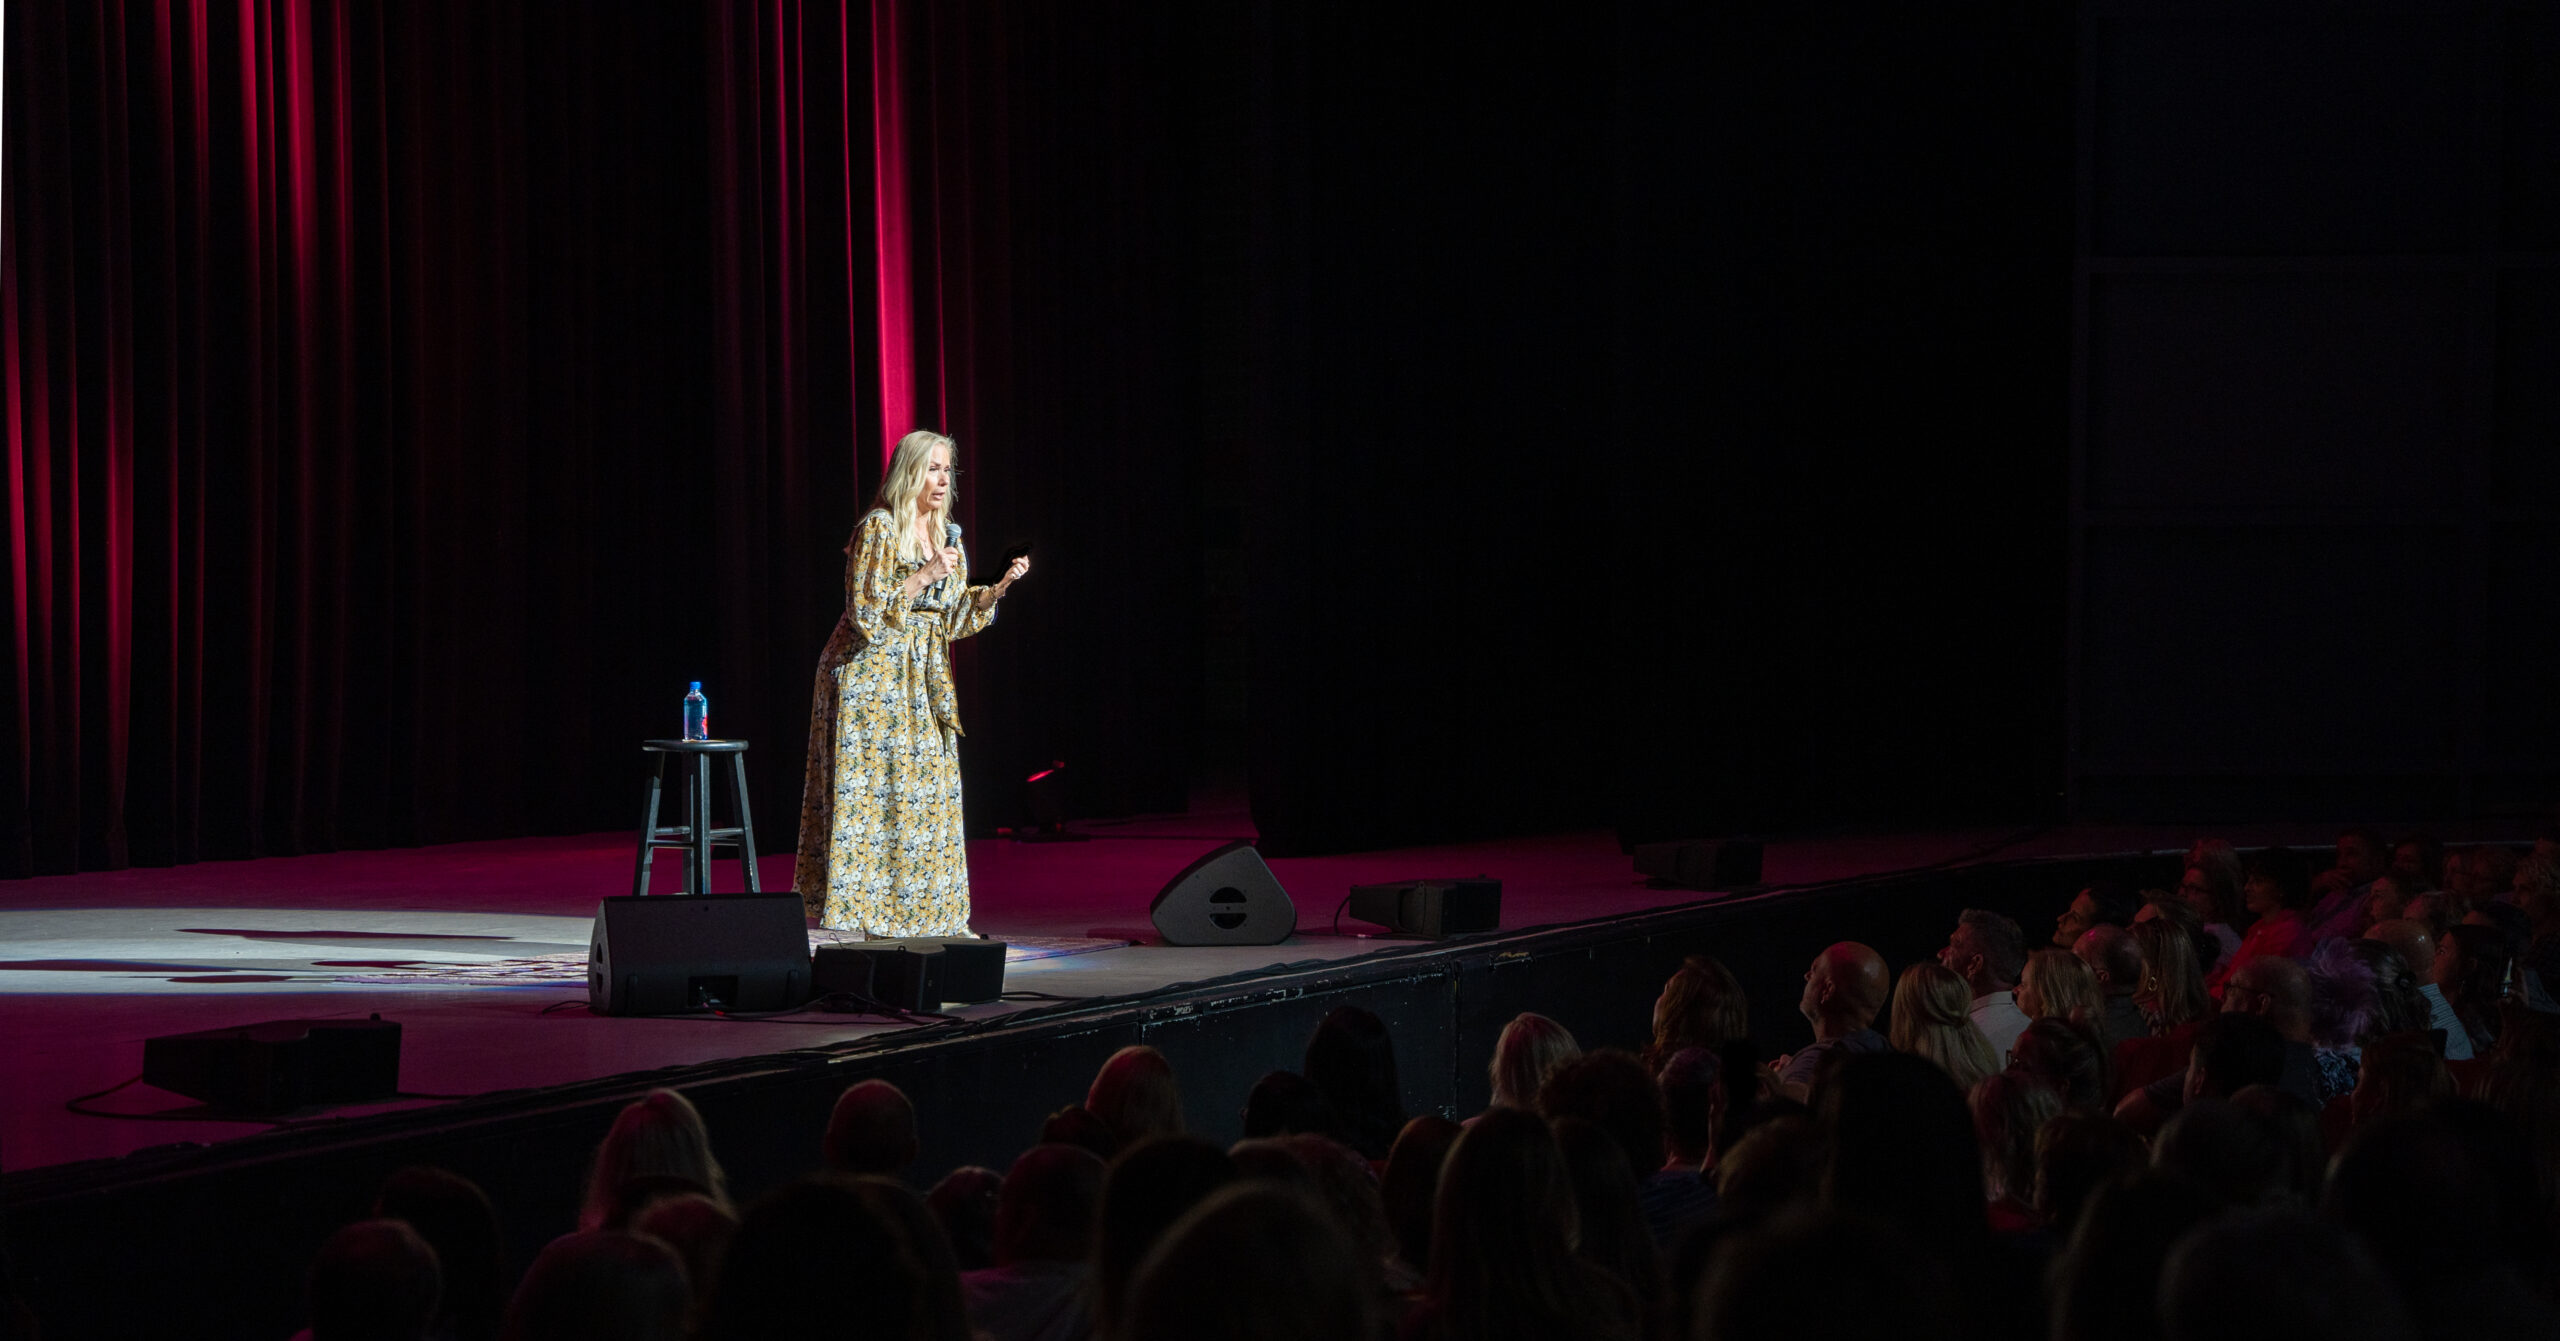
x: 919, y: 973
x: 279, y: 1065
x: 670, y: 954
x: 1226, y: 898
x: 1433, y: 908
x: 1729, y: 864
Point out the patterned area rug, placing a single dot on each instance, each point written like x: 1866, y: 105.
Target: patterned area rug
x: 554, y: 970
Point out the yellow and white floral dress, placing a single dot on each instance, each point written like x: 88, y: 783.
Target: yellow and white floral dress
x: 880, y: 841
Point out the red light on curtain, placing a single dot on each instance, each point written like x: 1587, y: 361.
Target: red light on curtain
x: 889, y: 233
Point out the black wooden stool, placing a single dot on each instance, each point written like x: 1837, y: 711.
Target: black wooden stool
x: 695, y: 835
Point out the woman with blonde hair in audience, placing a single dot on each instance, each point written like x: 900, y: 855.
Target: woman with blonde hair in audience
x: 1532, y: 1048
x: 1135, y: 1096
x: 1702, y: 1006
x: 1932, y: 1018
x: 2009, y: 1109
x: 660, y: 1134
x: 2172, y: 992
x: 2058, y: 986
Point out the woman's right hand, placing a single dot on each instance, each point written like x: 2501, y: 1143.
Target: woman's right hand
x: 939, y: 566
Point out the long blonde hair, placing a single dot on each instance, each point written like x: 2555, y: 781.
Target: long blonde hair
x: 659, y: 1133
x: 1932, y: 1018
x: 1531, y: 1048
x: 2063, y: 987
x: 904, y: 484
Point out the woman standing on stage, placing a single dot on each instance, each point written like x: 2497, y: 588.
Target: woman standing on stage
x: 880, y: 842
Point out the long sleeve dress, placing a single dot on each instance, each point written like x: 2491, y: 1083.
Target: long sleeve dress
x: 880, y: 839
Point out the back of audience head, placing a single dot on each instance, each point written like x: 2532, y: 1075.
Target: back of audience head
x: 2412, y: 941
x: 1412, y: 1180
x: 1987, y: 950
x: 1844, y: 988
x: 2233, y: 1051
x: 2057, y: 985
x: 1611, y: 1090
x: 602, y: 1285
x: 2278, y: 1272
x: 2488, y: 871
x: 2069, y: 1056
x: 1352, y: 1058
x: 1347, y: 1189
x: 455, y: 1218
x: 1610, y: 1230
x: 1283, y: 1102
x: 1145, y: 1189
x: 1254, y: 1260
x: 965, y: 1203
x: 1692, y: 1084
x: 2173, y: 976
x: 2107, y: 1276
x: 699, y: 1230
x: 1046, y: 1210
x: 2419, y: 858
x: 375, y: 1280
x: 1701, y: 1006
x: 1903, y: 1149
x: 2474, y: 965
x: 660, y: 1133
x: 2105, y: 903
x: 1532, y: 1048
x: 2537, y: 891
x: 2228, y: 1151
x: 2275, y: 989
x: 2295, y: 1128
x: 1503, y: 1233
x: 802, y: 1251
x: 941, y: 1313
x: 2398, y: 1004
x: 2522, y: 1081
x: 2212, y: 881
x: 2275, y: 878
x: 1822, y: 1276
x: 872, y: 1130
x: 2114, y: 957
x: 2009, y: 1109
x: 2398, y: 1073
x: 1075, y: 1124
x: 2077, y: 1154
x: 1774, y: 1166
x: 2343, y: 998
x: 1135, y: 1096
x: 2445, y: 1194
x: 1932, y: 1018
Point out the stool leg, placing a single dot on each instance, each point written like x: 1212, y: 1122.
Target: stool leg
x: 648, y: 828
x: 702, y: 824
x: 746, y: 820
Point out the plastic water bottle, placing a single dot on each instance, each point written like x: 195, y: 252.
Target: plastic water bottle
x: 697, y: 713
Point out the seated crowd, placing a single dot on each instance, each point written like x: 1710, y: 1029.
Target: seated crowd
x: 2269, y: 1102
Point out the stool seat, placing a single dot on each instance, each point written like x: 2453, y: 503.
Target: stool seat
x: 697, y: 835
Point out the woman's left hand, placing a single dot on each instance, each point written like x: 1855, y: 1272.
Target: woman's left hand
x: 1013, y: 572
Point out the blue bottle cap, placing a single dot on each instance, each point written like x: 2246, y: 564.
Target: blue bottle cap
x: 697, y: 687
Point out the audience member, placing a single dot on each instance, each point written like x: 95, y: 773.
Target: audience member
x: 2171, y: 996
x: 2009, y: 1109
x: 2400, y: 1073
x: 2104, y: 904
x: 660, y: 1133
x: 2114, y: 957
x: 455, y: 1218
x: 375, y: 1280
x: 1353, y: 1060
x: 1284, y: 1103
x: 1148, y: 1187
x: 632, y: 1196
x: 1502, y: 1235
x: 1702, y: 1006
x: 2295, y: 1128
x: 2226, y: 1150
x: 2522, y: 1081
x: 965, y: 1203
x: 2344, y: 1004
x: 2274, y: 892
x: 1610, y: 1089
x: 699, y: 1229
x: 1774, y: 1167
x: 2056, y: 986
x: 1411, y: 1181
x: 871, y: 1131
x: 1903, y: 1149
x: 2417, y: 949
x: 1989, y: 952
x: 1609, y: 1229
x: 601, y: 1285
x: 1823, y: 1276
x: 1251, y: 1262
x: 2213, y: 885
x: 2338, y: 894
x: 2488, y: 875
x: 2108, y: 1274
x: 2068, y: 1056
x: 2443, y: 1194
x: 1347, y: 1187
x: 1843, y: 990
x: 2389, y: 896
x: 1075, y: 1124
x: 2418, y: 860
x: 2077, y: 1154
x: 1692, y: 1084
x: 2537, y: 896
x: 1932, y: 1018
x: 1531, y: 1049
x: 1036, y: 1291
x: 2275, y: 1273
x: 2232, y: 1051
x: 942, y: 1314
x: 1135, y: 1096
x: 2474, y: 965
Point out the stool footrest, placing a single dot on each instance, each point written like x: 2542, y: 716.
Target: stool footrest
x: 684, y: 837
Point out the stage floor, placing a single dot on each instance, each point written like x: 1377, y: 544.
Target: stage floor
x: 477, y: 950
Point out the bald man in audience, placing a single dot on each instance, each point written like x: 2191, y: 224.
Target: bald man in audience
x: 2417, y: 947
x: 1842, y: 993
x: 2272, y: 988
x: 2115, y: 957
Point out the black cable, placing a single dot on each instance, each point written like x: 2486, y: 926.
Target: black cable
x: 77, y: 1104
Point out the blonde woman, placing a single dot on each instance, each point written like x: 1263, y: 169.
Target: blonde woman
x: 1532, y: 1048
x: 659, y: 1135
x: 1933, y: 1018
x: 2058, y: 986
x: 880, y: 843
x: 2172, y: 992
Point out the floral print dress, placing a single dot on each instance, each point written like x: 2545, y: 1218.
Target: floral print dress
x: 880, y: 841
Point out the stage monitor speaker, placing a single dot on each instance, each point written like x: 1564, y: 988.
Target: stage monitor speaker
x: 280, y: 1065
x: 1433, y: 908
x: 919, y: 973
x: 1702, y: 864
x: 1226, y: 898
x: 670, y: 954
